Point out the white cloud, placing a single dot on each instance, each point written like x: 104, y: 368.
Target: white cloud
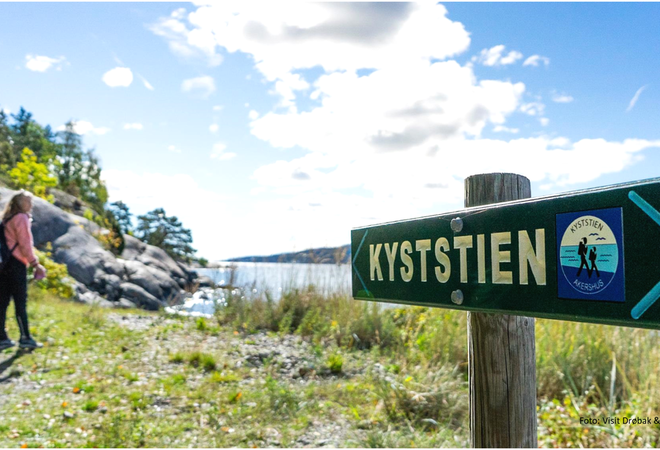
x: 253, y: 115
x: 544, y: 121
x: 213, y: 127
x: 403, y: 134
x: 133, y: 126
x: 336, y: 36
x: 533, y: 108
x: 535, y: 60
x: 184, y: 42
x: 220, y: 154
x: 83, y: 127
x: 146, y: 83
x: 179, y: 195
x: 503, y: 129
x: 217, y: 108
x: 173, y: 149
x: 204, y: 85
x: 561, y: 98
x: 37, y: 63
x: 286, y: 87
x: 118, y: 77
x: 633, y: 101
x: 495, y: 56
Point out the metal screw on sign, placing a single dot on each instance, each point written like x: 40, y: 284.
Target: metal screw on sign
x: 456, y: 224
x: 457, y: 297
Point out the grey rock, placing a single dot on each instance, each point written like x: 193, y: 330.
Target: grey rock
x: 140, y: 297
x: 125, y: 303
x: 91, y: 298
x: 69, y: 202
x: 204, y: 281
x: 157, y: 258
x: 154, y: 281
x: 79, y: 288
x: 110, y: 284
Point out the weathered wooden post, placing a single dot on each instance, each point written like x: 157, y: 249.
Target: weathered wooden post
x: 501, y: 348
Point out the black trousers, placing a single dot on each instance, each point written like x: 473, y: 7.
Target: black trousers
x: 13, y: 283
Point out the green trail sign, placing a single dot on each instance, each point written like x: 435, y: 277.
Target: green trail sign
x: 589, y: 256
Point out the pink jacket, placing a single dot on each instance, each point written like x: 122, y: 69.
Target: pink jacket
x: 19, y: 230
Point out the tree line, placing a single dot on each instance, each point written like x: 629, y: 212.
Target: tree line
x: 38, y: 159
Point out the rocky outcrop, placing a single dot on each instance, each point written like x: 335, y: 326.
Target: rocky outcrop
x: 143, y: 275
x: 68, y: 202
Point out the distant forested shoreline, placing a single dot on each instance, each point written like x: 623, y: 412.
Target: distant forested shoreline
x: 324, y: 255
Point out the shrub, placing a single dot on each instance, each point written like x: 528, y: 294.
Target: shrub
x: 91, y: 406
x: 109, y: 235
x: 335, y: 363
x: 33, y: 176
x: 217, y: 377
x: 177, y: 379
x: 138, y: 400
x: 281, y: 398
x: 89, y: 215
x: 57, y: 279
x: 203, y: 360
x: 177, y: 358
x: 130, y: 376
x: 208, y: 363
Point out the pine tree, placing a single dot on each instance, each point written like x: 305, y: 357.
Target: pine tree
x: 156, y: 228
x: 122, y: 215
x: 79, y: 171
x: 25, y: 132
x: 7, y: 156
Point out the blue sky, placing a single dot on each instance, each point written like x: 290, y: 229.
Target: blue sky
x: 269, y: 127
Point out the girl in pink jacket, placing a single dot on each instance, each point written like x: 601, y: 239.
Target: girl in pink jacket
x: 13, y: 278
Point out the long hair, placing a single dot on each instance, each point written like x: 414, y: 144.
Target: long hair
x: 13, y: 206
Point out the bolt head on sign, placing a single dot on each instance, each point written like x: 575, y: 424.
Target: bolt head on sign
x: 587, y: 256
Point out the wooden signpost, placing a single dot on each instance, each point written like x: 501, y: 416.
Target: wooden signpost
x: 588, y: 256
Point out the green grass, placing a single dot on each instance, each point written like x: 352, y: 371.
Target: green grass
x: 91, y: 406
x: 203, y: 360
x: 177, y: 358
x: 224, y: 377
x: 392, y: 377
x: 335, y: 363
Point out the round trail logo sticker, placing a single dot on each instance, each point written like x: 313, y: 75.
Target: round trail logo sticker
x: 591, y: 255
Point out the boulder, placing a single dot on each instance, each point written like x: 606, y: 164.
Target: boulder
x: 204, y: 281
x: 92, y: 298
x: 68, y: 202
x: 140, y: 297
x: 124, y: 303
x: 145, y: 275
x: 157, y: 282
x: 136, y: 250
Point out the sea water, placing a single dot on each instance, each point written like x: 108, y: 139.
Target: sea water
x: 606, y: 260
x: 256, y: 279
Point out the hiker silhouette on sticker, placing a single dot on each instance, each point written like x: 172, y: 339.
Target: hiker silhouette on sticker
x: 591, y: 255
x: 592, y: 258
x: 582, y: 251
